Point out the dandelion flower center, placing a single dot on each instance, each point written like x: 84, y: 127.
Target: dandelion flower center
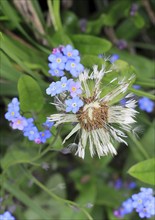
x: 93, y: 115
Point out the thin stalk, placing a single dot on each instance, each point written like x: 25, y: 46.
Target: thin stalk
x: 150, y: 83
x: 54, y: 10
x: 139, y: 146
x: 54, y: 196
x: 56, y: 7
x: 142, y: 93
x: 47, y: 149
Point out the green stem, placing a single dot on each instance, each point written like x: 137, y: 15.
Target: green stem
x: 47, y: 149
x: 54, y: 196
x: 142, y: 93
x: 54, y: 9
x: 143, y: 45
x: 147, y: 83
x: 51, y: 12
x: 139, y: 146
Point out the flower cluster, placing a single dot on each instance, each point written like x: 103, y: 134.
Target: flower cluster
x: 66, y: 59
x: 6, y: 216
x: 143, y: 203
x: 17, y: 121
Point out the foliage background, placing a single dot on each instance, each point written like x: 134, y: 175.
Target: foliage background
x: 43, y: 182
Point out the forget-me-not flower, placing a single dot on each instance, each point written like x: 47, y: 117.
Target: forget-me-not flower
x: 146, y: 104
x: 6, y: 216
x: 73, y: 104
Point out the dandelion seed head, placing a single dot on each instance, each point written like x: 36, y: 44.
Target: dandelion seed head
x: 93, y: 115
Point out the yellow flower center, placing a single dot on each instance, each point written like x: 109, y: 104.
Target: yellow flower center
x: 18, y: 122
x: 12, y: 113
x: 58, y: 60
x: 73, y: 89
x: 73, y: 65
x: 69, y: 54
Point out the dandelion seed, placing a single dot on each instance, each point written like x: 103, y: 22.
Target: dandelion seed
x: 96, y: 119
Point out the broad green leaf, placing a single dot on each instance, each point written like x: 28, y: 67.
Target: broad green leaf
x: 88, y: 44
x: 138, y: 20
x: 14, y: 157
x: 59, y: 38
x: 30, y: 94
x: 126, y: 24
x: 143, y: 66
x: 70, y: 22
x: 90, y: 60
x: 144, y: 171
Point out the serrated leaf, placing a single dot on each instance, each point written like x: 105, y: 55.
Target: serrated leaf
x: 88, y: 44
x: 144, y: 171
x: 30, y: 94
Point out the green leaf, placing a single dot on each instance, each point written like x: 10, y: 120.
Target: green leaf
x: 108, y: 196
x: 148, y: 138
x: 116, y: 11
x: 88, y: 44
x: 14, y: 157
x: 126, y: 25
x: 25, y: 55
x: 7, y: 88
x: 60, y: 38
x: 138, y: 20
x: 90, y: 60
x: 10, y: 12
x: 144, y: 171
x: 143, y: 66
x: 142, y: 93
x: 57, y: 185
x: 8, y: 71
x: 30, y: 94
